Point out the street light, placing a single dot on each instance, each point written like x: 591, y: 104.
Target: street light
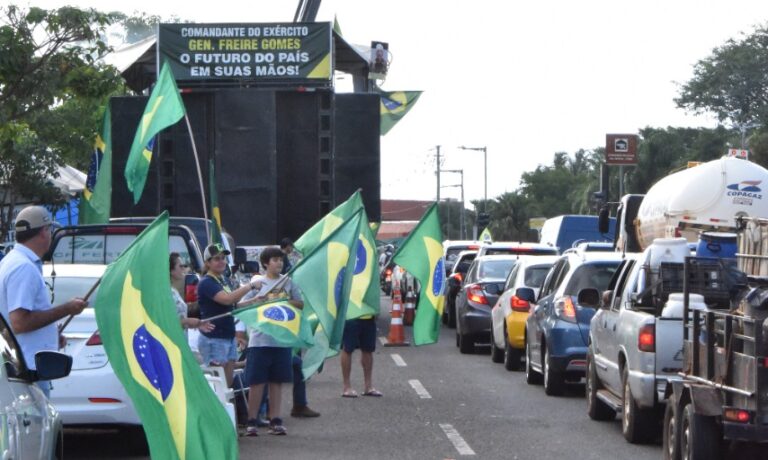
x: 485, y: 168
x: 743, y: 128
x: 461, y: 221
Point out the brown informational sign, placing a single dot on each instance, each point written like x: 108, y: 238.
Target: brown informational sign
x: 621, y: 149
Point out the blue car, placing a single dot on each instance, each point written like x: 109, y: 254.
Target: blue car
x: 557, y: 330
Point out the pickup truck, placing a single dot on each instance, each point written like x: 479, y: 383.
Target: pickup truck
x: 634, y: 350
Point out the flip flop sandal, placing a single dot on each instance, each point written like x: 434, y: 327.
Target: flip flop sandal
x: 374, y: 393
x: 349, y: 394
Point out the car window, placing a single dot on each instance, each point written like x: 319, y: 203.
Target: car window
x: 619, y: 281
x: 104, y: 249
x: 549, y: 281
x: 463, y: 265
x: 65, y: 288
x: 13, y: 359
x: 592, y: 275
x: 496, y: 269
x: 512, y: 276
x: 471, y: 273
x: 534, y: 276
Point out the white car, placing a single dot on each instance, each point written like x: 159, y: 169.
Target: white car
x: 91, y: 395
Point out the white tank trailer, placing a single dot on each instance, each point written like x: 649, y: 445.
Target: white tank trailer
x: 707, y: 197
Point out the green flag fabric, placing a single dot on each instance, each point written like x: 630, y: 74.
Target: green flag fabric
x: 421, y: 254
x: 164, y: 109
x: 325, y: 226
x: 324, y: 277
x: 364, y: 298
x: 182, y: 417
x: 280, y: 320
x: 215, y: 212
x: 394, y: 106
x: 96, y: 202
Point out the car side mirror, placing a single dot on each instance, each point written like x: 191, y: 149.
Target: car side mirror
x: 526, y: 294
x: 589, y: 297
x: 52, y: 365
x: 603, y: 220
x: 605, y: 303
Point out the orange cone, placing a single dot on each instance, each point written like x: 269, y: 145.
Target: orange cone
x: 397, y: 301
x: 410, y: 308
x: 396, y: 336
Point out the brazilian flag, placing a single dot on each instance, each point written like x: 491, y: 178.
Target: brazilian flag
x: 364, y: 298
x: 215, y: 212
x: 95, y: 204
x: 280, y: 320
x: 394, y: 106
x: 164, y: 108
x: 148, y: 351
x: 421, y: 254
x: 325, y: 226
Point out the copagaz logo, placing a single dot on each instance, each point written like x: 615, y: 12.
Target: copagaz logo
x: 745, y: 192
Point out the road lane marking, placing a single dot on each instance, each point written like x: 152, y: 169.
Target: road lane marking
x: 398, y: 360
x: 458, y: 442
x: 383, y: 340
x: 420, y: 390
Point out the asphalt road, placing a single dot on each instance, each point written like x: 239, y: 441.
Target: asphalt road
x: 437, y: 404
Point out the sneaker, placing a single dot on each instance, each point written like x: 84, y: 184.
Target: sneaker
x: 276, y: 427
x: 262, y: 422
x: 251, y: 429
x: 304, y: 411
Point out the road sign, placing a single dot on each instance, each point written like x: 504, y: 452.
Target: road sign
x: 739, y: 153
x: 620, y: 149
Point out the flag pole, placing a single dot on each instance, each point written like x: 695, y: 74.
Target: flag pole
x: 199, y: 177
x: 88, y: 294
x: 249, y: 304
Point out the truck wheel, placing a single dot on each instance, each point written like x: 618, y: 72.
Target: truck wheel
x: 497, y: 354
x: 531, y: 377
x: 637, y: 425
x: 699, y: 436
x: 511, y: 357
x: 466, y: 344
x: 596, y: 409
x: 554, y: 382
x: 671, y: 443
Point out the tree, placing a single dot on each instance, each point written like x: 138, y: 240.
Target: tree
x: 50, y: 82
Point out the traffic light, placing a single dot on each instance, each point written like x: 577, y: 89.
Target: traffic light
x: 483, y: 219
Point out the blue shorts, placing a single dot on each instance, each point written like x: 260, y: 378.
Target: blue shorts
x: 269, y: 365
x: 359, y: 333
x: 217, y: 350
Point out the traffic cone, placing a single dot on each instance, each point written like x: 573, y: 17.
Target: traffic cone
x: 410, y: 308
x: 396, y: 336
x: 397, y: 300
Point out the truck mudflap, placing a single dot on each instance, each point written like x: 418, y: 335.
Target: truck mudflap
x: 745, y: 432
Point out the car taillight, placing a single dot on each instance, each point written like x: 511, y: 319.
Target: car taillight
x: 388, y: 272
x: 646, y: 341
x: 737, y: 415
x: 190, y: 293
x: 475, y: 294
x: 677, y: 232
x: 565, y: 309
x: 518, y: 304
x: 94, y: 340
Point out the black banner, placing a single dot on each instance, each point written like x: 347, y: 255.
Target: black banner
x: 256, y: 52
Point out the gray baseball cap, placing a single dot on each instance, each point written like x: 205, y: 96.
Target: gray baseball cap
x: 32, y: 217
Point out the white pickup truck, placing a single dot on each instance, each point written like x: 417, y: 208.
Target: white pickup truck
x: 635, y: 346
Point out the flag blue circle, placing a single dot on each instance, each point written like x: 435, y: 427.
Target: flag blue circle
x: 438, y: 278
x: 279, y: 313
x: 153, y: 360
x: 338, y: 286
x: 362, y: 257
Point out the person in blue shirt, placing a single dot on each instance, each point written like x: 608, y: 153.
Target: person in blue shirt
x: 25, y: 301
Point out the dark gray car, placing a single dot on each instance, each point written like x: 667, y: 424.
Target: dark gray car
x: 478, y: 294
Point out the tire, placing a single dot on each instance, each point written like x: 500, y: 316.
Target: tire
x: 497, y: 354
x: 671, y: 439
x: 531, y: 376
x: 466, y: 344
x: 554, y: 382
x: 596, y: 409
x: 136, y: 440
x: 637, y: 425
x: 512, y: 357
x: 699, y: 436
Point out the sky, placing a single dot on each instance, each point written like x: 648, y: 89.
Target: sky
x: 523, y: 79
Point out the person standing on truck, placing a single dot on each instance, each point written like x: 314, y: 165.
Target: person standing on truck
x: 25, y: 300
x: 215, y: 297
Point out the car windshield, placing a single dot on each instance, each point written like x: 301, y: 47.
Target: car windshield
x: 592, y: 275
x: 534, y: 276
x: 496, y: 269
x: 523, y: 251
x: 65, y: 288
x: 452, y: 253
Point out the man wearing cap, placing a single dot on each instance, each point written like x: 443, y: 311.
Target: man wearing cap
x: 25, y: 301
x: 215, y: 297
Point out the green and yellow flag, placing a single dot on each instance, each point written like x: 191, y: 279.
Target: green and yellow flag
x: 421, y: 254
x: 394, y: 106
x: 364, y: 298
x: 96, y: 202
x: 325, y: 226
x: 164, y: 109
x: 214, y: 199
x: 148, y: 351
x: 324, y: 277
x: 280, y: 320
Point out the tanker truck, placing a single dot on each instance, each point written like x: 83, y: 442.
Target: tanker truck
x: 708, y: 197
